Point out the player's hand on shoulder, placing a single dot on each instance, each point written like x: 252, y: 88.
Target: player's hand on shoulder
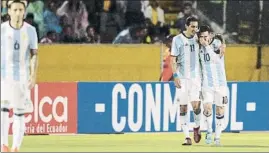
x: 222, y: 49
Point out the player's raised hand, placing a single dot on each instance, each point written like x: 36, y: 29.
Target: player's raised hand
x: 204, y: 41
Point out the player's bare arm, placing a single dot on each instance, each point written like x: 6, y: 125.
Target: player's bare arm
x: 174, y: 70
x: 33, y: 68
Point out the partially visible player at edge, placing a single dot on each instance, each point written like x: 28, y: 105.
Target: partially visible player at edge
x: 214, y: 84
x: 187, y: 76
x: 19, y: 46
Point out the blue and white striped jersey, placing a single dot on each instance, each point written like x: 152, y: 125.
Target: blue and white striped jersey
x: 16, y: 45
x: 213, y: 66
x: 187, y: 52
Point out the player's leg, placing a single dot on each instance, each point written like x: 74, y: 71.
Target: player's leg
x: 207, y: 101
x: 220, y: 100
x: 4, y: 128
x: 18, y: 130
x: 18, y: 126
x: 219, y: 123
x: 5, y: 105
x: 185, y: 124
x: 195, y: 93
x: 182, y: 95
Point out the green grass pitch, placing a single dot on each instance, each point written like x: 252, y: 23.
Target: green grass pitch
x: 148, y: 142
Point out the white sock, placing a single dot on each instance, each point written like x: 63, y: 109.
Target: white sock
x: 18, y: 131
x: 197, y: 118
x: 218, y: 130
x: 4, y: 128
x: 185, y: 125
x: 208, y: 121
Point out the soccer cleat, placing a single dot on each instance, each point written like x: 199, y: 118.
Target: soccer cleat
x: 208, y: 138
x: 187, y: 142
x: 197, y: 134
x: 217, y: 142
x: 4, y: 148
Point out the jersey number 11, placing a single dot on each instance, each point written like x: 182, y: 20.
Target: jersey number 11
x: 192, y: 48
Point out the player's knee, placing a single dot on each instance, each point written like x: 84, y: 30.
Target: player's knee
x: 183, y: 110
x: 220, y: 110
x: 196, y: 107
x: 197, y: 111
x: 207, y: 113
x: 4, y: 109
x: 219, y: 115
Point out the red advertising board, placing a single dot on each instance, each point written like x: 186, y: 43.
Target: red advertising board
x: 55, y: 109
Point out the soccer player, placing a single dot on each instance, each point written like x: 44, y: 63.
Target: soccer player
x: 214, y: 84
x: 18, y: 71
x: 187, y: 76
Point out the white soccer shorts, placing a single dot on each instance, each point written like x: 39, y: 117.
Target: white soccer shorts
x: 190, y: 91
x: 16, y: 95
x: 217, y: 96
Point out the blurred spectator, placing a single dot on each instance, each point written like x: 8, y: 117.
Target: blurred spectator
x: 51, y: 20
x: 63, y: 21
x: 110, y: 15
x: 145, y: 4
x: 91, y: 35
x: 3, y: 8
x: 167, y: 74
x: 36, y: 7
x: 131, y: 35
x: 155, y: 13
x: 121, y: 9
x: 50, y: 38
x: 77, y: 16
x: 93, y: 13
x: 109, y: 11
x: 187, y: 11
x: 133, y: 13
x: 30, y: 19
x: 67, y: 36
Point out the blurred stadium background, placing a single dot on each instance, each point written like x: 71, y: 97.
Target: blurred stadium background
x: 124, y: 41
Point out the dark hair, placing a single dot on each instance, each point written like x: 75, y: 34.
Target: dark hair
x: 191, y: 19
x: 187, y: 4
x: 204, y: 28
x: 30, y: 16
x: 90, y: 26
x: 50, y: 32
x: 15, y: 1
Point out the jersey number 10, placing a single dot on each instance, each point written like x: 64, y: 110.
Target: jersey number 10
x: 206, y: 57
